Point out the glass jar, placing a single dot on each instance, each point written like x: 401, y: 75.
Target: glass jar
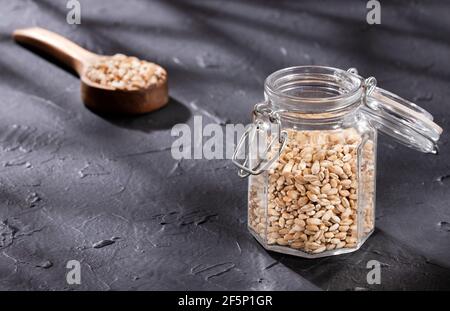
x: 310, y: 155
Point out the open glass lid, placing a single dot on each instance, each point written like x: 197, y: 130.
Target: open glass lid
x: 399, y: 118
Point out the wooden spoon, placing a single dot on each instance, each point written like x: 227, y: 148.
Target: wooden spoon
x: 98, y: 97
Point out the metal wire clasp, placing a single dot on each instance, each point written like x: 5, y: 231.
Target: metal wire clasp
x: 252, y: 132
x: 369, y: 85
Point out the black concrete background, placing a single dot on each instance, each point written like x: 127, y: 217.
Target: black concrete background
x: 70, y: 178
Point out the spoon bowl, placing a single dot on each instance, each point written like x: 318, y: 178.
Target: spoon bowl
x: 99, y: 98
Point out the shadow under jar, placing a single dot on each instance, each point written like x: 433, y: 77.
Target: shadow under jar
x: 310, y: 155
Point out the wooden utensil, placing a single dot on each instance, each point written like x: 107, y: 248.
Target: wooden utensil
x: 98, y: 97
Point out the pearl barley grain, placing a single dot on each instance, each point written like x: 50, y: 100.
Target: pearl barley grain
x: 125, y: 73
x: 312, y: 192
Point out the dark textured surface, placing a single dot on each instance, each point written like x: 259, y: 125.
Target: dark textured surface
x: 106, y: 192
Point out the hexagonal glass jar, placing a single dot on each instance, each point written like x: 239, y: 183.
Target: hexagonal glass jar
x: 310, y: 155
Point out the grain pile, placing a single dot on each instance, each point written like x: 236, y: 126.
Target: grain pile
x: 125, y: 73
x: 312, y: 199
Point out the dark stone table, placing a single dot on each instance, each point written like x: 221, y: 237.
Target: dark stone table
x: 71, y: 178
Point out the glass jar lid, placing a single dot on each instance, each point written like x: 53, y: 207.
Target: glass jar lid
x: 399, y: 118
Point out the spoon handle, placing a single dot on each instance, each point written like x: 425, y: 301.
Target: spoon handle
x: 57, y: 46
